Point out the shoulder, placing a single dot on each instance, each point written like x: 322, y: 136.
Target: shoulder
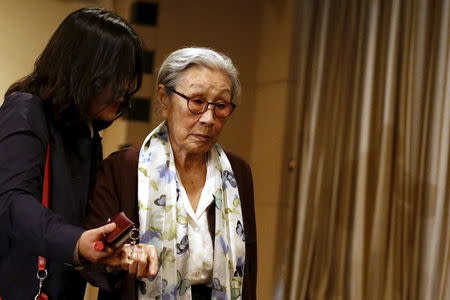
x: 23, y: 112
x: 242, y: 172
x: 126, y: 158
x: 237, y: 162
x: 23, y: 105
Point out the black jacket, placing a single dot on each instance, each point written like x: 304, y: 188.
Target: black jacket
x: 27, y: 229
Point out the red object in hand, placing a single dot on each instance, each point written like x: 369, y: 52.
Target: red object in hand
x: 119, y: 236
x: 99, y: 245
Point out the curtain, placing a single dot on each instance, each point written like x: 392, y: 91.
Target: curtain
x: 370, y: 135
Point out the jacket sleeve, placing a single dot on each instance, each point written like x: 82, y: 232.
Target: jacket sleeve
x: 251, y: 265
x: 244, y: 179
x: 24, y: 220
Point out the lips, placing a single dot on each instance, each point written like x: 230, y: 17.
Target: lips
x: 203, y: 137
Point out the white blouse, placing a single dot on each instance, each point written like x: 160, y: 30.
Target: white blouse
x: 201, y: 257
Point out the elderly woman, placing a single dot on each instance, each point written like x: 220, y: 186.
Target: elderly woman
x: 192, y: 200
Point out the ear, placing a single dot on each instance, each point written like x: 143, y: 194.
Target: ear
x: 163, y: 100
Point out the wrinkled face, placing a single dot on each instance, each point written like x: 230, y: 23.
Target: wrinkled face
x: 105, y: 106
x: 195, y: 134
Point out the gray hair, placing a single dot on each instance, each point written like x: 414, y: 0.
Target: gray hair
x: 180, y: 60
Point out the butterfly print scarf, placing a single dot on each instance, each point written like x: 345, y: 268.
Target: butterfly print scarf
x: 163, y: 222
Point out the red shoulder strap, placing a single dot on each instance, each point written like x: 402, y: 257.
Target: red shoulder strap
x: 46, y: 184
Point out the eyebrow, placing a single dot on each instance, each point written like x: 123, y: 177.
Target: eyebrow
x: 200, y: 85
x: 221, y: 95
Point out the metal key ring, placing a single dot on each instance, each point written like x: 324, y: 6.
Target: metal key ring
x: 134, y: 234
x: 41, y: 274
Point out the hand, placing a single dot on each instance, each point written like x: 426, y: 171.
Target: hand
x: 142, y: 261
x: 87, y: 240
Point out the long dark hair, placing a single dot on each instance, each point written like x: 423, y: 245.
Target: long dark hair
x: 92, y: 48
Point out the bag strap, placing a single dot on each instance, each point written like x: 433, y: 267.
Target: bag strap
x: 46, y: 184
x: 42, y: 261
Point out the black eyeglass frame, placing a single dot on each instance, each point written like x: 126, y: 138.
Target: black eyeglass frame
x: 188, y: 99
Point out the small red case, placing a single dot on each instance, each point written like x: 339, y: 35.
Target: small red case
x: 121, y: 234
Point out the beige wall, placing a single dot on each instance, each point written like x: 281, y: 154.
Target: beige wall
x: 270, y: 114
x: 26, y: 26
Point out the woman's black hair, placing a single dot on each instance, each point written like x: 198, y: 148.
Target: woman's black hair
x: 92, y: 49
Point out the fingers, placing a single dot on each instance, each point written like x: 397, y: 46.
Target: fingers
x: 105, y: 229
x: 131, y: 258
x: 87, y: 243
x: 98, y: 234
x: 126, y: 260
x: 142, y: 266
x: 142, y: 261
x: 113, y: 260
x: 154, y: 262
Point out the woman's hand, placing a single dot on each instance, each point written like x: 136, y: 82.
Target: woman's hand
x: 141, y: 261
x: 87, y: 240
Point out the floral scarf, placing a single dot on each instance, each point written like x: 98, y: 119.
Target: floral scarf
x: 163, y: 222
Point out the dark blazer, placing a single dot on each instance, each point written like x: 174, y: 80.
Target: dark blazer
x: 27, y: 229
x: 116, y: 190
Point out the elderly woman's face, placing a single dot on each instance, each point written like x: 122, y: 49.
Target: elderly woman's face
x: 191, y: 133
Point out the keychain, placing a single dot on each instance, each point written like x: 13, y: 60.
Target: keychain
x: 134, y: 236
x: 125, y: 232
x: 41, y: 275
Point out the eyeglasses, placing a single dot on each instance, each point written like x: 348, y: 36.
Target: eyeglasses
x: 198, y: 106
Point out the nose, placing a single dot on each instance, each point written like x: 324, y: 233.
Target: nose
x: 207, y: 118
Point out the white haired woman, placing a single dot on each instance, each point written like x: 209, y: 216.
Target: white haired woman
x: 192, y: 200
